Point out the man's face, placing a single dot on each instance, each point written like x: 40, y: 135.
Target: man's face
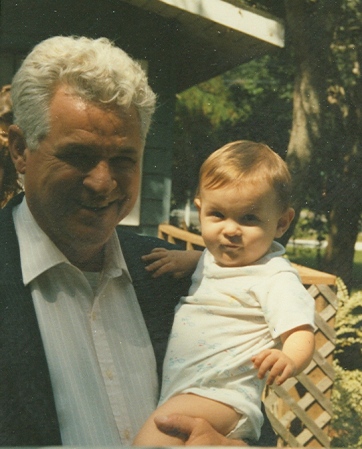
x: 84, y: 176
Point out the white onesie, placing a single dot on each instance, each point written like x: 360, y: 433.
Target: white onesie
x: 230, y: 315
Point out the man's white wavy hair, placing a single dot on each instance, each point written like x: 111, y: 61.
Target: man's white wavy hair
x: 95, y: 69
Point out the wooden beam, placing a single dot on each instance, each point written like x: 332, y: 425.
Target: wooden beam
x: 234, y: 17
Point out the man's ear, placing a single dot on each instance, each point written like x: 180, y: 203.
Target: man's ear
x: 284, y: 222
x: 17, y: 147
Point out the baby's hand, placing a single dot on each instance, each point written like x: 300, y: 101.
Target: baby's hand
x: 279, y: 365
x: 179, y: 263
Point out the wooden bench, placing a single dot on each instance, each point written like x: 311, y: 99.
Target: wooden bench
x: 300, y: 410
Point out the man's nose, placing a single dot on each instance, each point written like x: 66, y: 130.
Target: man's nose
x: 100, y: 179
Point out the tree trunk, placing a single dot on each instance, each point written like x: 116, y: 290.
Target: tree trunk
x: 310, y: 29
x: 316, y: 148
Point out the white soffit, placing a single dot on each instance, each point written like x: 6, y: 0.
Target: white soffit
x: 228, y: 15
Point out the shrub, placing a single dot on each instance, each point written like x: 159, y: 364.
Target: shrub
x: 347, y: 391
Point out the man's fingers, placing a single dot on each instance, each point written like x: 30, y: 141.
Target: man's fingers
x: 173, y: 427
x: 193, y: 431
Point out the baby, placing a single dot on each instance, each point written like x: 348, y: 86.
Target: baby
x: 247, y: 320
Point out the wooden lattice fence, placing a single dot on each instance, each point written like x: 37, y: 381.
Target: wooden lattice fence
x: 300, y: 410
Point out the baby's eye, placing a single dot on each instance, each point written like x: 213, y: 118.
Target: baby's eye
x: 250, y: 218
x: 217, y: 214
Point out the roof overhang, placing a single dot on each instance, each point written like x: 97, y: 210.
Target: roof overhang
x: 215, y: 35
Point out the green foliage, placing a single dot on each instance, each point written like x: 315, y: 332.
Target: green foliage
x: 347, y: 44
x: 349, y: 329
x: 347, y: 391
x: 311, y: 224
x: 347, y: 405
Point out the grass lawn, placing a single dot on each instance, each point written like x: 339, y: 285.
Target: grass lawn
x: 308, y: 258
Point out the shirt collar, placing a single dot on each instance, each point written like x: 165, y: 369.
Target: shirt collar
x: 115, y: 264
x: 38, y: 253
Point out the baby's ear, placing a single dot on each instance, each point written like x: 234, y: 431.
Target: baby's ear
x: 197, y: 203
x: 284, y: 222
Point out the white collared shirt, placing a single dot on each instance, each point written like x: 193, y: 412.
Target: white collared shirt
x: 99, y: 353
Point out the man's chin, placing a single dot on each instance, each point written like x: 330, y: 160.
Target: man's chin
x: 92, y: 232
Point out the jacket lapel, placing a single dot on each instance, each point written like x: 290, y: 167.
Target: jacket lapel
x: 27, y: 409
x: 157, y: 297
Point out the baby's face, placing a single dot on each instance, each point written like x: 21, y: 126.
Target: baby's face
x: 239, y: 224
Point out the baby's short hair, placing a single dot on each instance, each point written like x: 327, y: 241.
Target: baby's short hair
x: 246, y: 161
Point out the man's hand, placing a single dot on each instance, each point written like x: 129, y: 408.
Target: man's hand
x: 179, y: 263
x: 193, y: 431
x: 279, y: 365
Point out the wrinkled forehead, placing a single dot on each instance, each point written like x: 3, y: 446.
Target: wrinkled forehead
x: 67, y: 104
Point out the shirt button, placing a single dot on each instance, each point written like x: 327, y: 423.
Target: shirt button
x: 126, y: 434
x: 109, y: 374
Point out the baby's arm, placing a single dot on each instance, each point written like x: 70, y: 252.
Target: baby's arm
x: 297, y: 352
x: 179, y: 263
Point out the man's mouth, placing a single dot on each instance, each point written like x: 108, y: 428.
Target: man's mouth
x: 97, y: 207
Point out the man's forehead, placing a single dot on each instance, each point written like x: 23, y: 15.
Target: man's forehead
x: 67, y: 106
x: 68, y: 94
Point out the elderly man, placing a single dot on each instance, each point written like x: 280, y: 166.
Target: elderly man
x: 83, y: 326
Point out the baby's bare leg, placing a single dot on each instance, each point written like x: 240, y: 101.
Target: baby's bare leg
x: 221, y: 416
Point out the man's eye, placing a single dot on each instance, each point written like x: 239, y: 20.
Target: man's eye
x: 80, y: 161
x: 122, y: 162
